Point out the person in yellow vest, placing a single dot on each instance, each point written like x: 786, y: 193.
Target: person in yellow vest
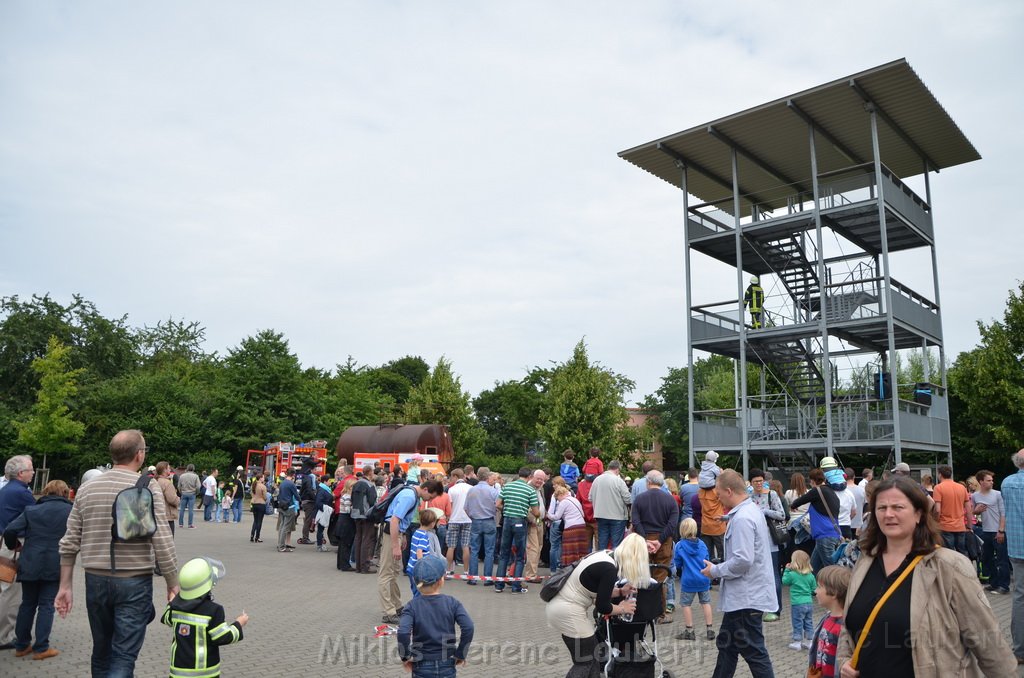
x: 753, y: 299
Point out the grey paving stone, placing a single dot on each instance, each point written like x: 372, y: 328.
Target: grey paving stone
x: 309, y: 619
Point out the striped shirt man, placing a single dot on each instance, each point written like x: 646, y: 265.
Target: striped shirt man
x: 88, y: 533
x: 517, y: 498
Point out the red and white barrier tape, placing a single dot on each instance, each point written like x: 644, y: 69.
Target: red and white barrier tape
x: 474, y: 577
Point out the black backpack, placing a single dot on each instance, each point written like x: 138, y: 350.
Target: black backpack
x: 557, y: 581
x: 380, y: 509
x: 134, y: 518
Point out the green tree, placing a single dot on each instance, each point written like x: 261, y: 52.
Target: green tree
x: 171, y: 406
x: 103, y: 348
x: 583, y: 406
x: 265, y: 396
x: 397, y: 378
x: 509, y: 413
x: 986, y: 388
x: 50, y: 428
x: 714, y: 389
x: 671, y: 406
x: 172, y: 340
x: 348, y: 398
x: 439, y: 399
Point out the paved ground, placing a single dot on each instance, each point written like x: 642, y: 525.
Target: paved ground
x: 308, y: 619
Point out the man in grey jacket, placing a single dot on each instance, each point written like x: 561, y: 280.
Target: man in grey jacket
x: 188, y: 486
x: 610, y: 498
x: 748, y: 585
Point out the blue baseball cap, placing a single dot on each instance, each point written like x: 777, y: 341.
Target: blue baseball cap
x: 429, y: 570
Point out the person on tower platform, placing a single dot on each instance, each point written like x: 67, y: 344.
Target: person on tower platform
x: 753, y: 299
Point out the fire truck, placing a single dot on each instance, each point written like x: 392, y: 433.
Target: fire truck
x: 276, y: 458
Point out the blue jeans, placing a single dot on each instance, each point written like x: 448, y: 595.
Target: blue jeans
x: 236, y: 509
x: 513, y: 533
x: 670, y: 591
x: 555, y: 537
x: 207, y: 508
x: 956, y: 541
x: 821, y: 556
x: 187, y: 500
x: 609, y: 530
x: 995, y: 562
x: 1017, y: 613
x: 803, y: 621
x: 434, y: 668
x: 741, y: 634
x: 35, y: 595
x: 119, y: 610
x: 442, y: 536
x: 483, y: 531
x: 412, y: 585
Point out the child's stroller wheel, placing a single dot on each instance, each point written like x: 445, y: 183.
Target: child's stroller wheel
x: 666, y: 674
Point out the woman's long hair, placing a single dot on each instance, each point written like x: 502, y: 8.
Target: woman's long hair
x: 926, y: 532
x: 633, y: 561
x: 797, y: 484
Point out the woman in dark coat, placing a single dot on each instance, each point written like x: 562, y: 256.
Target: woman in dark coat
x: 40, y: 528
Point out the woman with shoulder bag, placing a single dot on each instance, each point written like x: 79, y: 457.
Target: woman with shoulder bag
x: 40, y: 528
x: 905, y: 587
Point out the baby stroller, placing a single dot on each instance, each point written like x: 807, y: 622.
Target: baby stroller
x: 627, y: 652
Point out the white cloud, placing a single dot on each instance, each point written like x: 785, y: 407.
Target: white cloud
x: 377, y: 179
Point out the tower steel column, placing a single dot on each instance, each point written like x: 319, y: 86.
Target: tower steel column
x: 887, y: 282
x: 826, y: 367
x: 689, y: 313
x: 744, y: 443
x: 938, y: 306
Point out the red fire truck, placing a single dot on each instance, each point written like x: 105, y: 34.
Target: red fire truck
x: 276, y: 458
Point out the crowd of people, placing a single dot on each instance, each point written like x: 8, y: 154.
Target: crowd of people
x: 888, y: 559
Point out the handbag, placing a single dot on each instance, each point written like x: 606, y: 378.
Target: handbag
x: 779, y: 534
x: 878, y: 606
x: 556, y: 582
x: 9, y: 568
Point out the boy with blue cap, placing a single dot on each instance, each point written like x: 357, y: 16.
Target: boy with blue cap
x: 426, y: 633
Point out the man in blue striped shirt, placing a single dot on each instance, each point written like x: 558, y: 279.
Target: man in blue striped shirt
x: 1013, y: 498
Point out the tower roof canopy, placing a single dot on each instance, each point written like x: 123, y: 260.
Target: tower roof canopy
x: 771, y: 140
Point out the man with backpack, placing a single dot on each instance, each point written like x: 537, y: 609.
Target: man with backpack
x: 118, y: 557
x: 401, y: 506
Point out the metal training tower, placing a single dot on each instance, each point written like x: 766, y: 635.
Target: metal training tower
x: 808, y: 193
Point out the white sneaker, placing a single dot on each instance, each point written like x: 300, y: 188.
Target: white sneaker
x: 795, y: 645
x: 807, y: 645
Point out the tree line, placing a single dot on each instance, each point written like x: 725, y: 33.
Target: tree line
x: 70, y: 377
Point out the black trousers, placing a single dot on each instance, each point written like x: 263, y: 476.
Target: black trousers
x: 346, y: 531
x: 258, y: 513
x: 364, y: 544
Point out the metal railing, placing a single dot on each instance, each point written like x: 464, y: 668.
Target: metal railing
x: 837, y: 188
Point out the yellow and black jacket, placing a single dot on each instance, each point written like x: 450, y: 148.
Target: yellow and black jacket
x: 199, y: 631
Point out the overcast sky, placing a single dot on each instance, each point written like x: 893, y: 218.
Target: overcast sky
x: 378, y: 179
